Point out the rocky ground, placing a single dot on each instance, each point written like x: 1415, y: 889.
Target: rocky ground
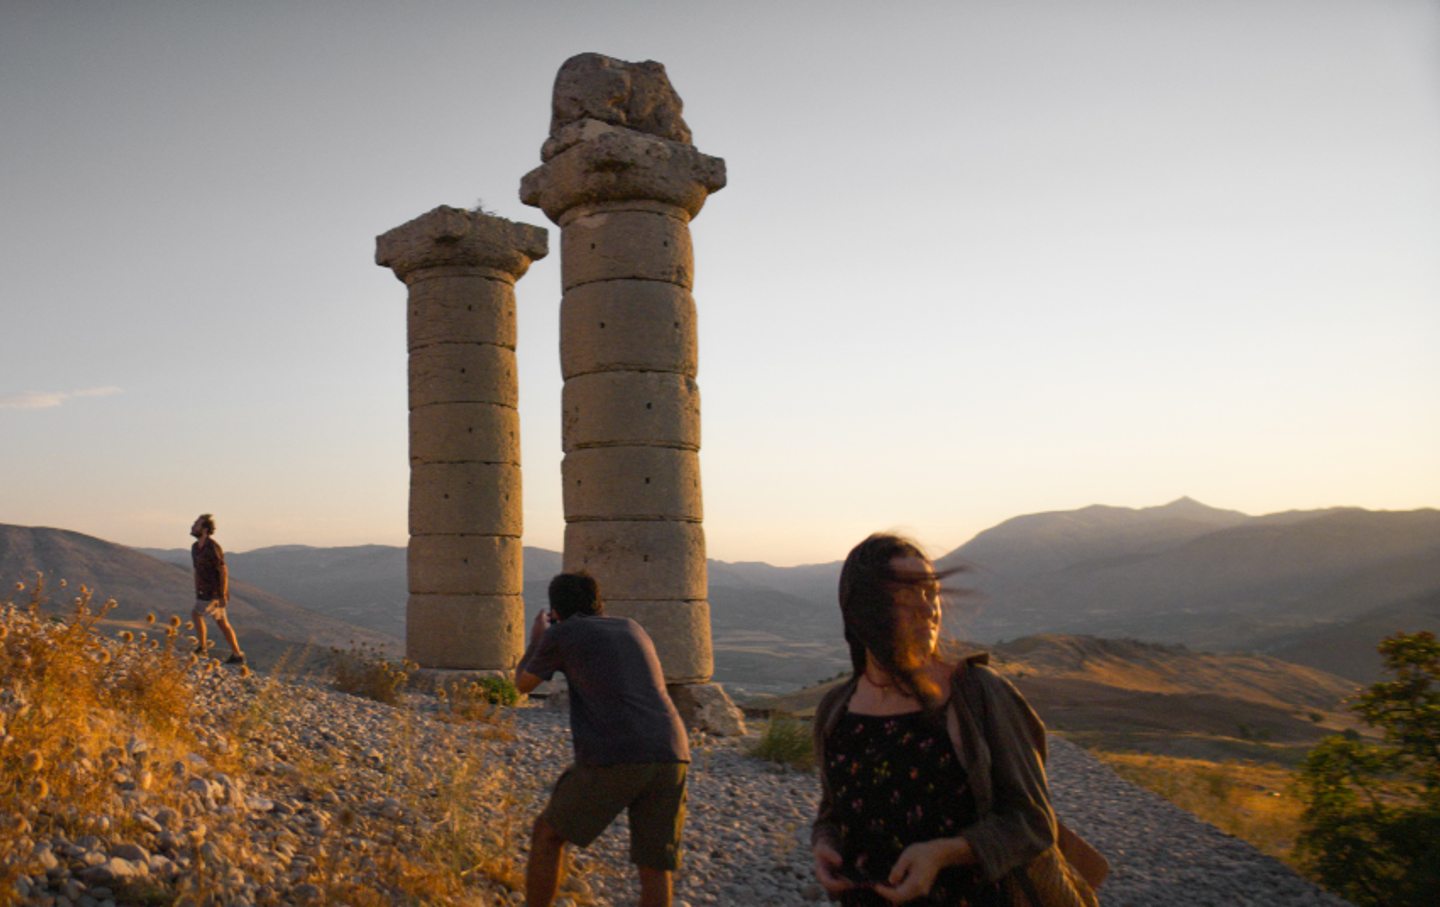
x: 337, y: 799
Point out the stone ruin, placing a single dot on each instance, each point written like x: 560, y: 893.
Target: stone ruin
x: 622, y: 180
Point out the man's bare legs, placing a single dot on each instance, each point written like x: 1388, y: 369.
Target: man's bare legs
x: 226, y: 630
x: 197, y: 617
x: 542, y: 871
x: 547, y: 856
x: 229, y: 632
x: 655, y: 890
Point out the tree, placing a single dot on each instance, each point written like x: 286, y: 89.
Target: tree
x: 1371, y: 828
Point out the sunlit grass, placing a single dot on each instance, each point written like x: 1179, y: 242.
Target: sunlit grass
x: 91, y: 712
x: 788, y: 742
x: 1257, y: 803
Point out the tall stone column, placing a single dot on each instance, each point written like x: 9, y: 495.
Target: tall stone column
x: 464, y: 564
x: 622, y: 181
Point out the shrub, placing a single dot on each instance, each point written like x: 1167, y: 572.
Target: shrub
x: 786, y: 741
x: 478, y: 699
x: 1372, y: 816
x: 365, y: 671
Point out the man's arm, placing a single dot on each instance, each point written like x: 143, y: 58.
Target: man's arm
x: 524, y: 680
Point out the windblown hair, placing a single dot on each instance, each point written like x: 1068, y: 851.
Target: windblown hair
x: 207, y: 522
x: 575, y: 593
x: 867, y: 605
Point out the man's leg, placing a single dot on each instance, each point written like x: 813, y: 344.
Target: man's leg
x: 197, y: 617
x: 228, y: 631
x: 542, y: 871
x: 655, y: 890
x: 657, y: 820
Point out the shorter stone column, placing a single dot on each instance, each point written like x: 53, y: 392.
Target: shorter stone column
x: 464, y: 565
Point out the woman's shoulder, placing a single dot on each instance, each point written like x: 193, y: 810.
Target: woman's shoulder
x: 834, y: 699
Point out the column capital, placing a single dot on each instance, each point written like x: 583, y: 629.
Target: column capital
x: 449, y: 237
x: 612, y: 164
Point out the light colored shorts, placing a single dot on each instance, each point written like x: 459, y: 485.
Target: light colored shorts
x: 587, y: 798
x: 209, y: 607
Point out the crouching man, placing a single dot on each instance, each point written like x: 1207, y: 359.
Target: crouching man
x: 631, y: 751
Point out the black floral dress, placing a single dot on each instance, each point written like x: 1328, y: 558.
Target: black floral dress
x: 896, y: 781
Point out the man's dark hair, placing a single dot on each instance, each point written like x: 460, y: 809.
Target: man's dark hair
x: 207, y: 522
x: 575, y: 593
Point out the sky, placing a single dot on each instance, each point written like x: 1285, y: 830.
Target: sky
x: 975, y: 259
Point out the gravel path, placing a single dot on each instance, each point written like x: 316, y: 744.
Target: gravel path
x: 331, y: 780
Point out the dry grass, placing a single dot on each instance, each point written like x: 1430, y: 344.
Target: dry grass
x: 75, y: 709
x: 365, y: 671
x: 78, y: 706
x: 1254, y: 802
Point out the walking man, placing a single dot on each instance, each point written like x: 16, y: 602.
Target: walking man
x: 631, y: 751
x: 212, y: 587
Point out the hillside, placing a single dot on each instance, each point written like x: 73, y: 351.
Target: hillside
x: 1126, y: 695
x: 269, y: 626
x: 1184, y: 573
x: 1319, y: 587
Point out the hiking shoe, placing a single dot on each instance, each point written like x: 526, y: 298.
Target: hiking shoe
x: 236, y: 659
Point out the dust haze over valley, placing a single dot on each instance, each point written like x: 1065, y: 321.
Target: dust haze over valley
x: 1315, y: 588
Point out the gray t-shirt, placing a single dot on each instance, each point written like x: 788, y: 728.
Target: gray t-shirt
x: 619, y: 710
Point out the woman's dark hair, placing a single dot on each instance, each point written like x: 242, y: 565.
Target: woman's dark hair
x: 207, y: 522
x: 575, y: 593
x: 867, y: 606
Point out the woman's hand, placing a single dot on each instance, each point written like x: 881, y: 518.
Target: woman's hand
x: 914, y: 873
x: 827, y: 864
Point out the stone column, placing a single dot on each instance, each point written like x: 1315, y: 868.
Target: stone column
x: 464, y: 561
x: 622, y: 180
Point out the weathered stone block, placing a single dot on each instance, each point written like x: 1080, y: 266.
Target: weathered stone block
x: 640, y: 560
x: 643, y: 325
x: 680, y: 631
x: 620, y: 244
x: 630, y: 408
x: 465, y: 565
x: 623, y: 165
x: 465, y: 499
x: 461, y: 309
x: 469, y: 632
x: 638, y: 96
x: 706, y: 707
x: 447, y: 237
x: 463, y: 373
x: 631, y: 483
x: 464, y: 432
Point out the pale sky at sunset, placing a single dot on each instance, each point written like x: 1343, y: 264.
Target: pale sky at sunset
x: 975, y: 259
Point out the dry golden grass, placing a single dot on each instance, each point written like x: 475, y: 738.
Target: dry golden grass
x: 79, y: 700
x: 1255, y: 802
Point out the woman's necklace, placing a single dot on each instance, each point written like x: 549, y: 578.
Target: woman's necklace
x: 876, y: 684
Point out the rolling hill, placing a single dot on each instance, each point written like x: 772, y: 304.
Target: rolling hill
x: 1320, y: 588
x: 269, y: 626
x: 1131, y: 696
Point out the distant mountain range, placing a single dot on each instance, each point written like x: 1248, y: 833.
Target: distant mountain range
x: 1319, y: 588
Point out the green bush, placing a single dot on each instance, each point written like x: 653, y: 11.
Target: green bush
x: 786, y: 741
x: 1372, y: 810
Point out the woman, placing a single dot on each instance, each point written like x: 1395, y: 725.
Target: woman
x: 932, y: 773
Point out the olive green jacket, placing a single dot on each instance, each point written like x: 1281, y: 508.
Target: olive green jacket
x: 1000, y: 742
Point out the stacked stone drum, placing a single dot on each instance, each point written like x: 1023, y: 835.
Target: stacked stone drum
x: 622, y: 181
x: 465, y: 608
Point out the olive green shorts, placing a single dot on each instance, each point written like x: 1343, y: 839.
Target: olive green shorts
x: 587, y: 798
